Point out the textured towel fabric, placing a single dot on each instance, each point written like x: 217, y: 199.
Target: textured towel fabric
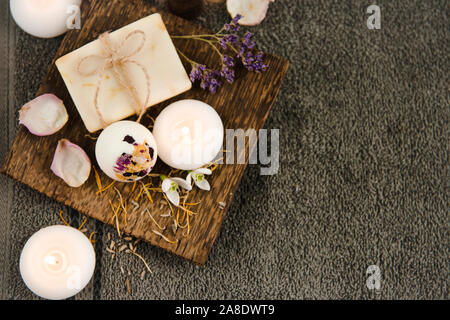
x: 363, y: 119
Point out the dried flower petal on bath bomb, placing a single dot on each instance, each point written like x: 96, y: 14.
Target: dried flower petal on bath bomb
x: 71, y: 163
x: 253, y: 11
x: 126, y: 151
x: 44, y: 115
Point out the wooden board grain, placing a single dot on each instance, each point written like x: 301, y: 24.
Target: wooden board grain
x: 244, y: 104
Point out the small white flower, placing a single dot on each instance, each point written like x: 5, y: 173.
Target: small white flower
x: 199, y: 178
x: 170, y: 186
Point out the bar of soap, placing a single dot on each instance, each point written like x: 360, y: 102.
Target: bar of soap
x: 167, y: 75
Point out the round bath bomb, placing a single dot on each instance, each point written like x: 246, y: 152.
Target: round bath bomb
x: 126, y: 151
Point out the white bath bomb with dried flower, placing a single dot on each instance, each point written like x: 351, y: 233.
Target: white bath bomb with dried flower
x: 71, y: 163
x: 253, y: 12
x: 126, y: 151
x: 44, y: 115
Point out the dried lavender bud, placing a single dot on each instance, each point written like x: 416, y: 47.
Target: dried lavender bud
x: 211, y: 81
x: 233, y: 25
x: 254, y: 62
x: 228, y: 74
x: 228, y: 61
x: 223, y: 43
x: 236, y: 19
x: 247, y: 42
x: 197, y: 73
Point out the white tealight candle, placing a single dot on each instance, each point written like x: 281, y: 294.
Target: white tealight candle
x: 188, y: 133
x: 44, y: 18
x: 57, y: 262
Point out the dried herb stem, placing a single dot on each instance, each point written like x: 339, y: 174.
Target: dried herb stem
x: 194, y: 36
x: 164, y: 237
x: 170, y: 205
x: 211, y: 43
x: 127, y: 282
x: 192, y: 62
x: 90, y: 137
x: 116, y: 211
x: 151, y: 118
x: 83, y: 223
x: 91, y: 236
x: 106, y: 188
x: 153, y: 219
x: 146, y: 192
x: 62, y: 218
x: 97, y: 179
x: 141, y: 191
x: 122, y: 204
x: 187, y: 210
x: 188, y: 231
x: 140, y: 257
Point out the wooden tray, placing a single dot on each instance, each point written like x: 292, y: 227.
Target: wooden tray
x: 244, y: 104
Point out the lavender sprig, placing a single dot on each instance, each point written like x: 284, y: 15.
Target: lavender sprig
x: 231, y: 48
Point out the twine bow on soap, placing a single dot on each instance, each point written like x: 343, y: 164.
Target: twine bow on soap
x: 115, y: 59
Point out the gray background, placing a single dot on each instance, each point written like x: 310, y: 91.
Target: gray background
x: 363, y: 119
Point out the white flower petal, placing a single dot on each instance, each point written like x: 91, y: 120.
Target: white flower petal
x: 182, y: 183
x: 203, y: 184
x: 173, y: 197
x: 189, y: 178
x: 203, y: 171
x: 166, y: 184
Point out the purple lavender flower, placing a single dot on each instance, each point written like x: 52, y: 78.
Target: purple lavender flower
x: 247, y: 42
x: 209, y: 78
x: 228, y: 74
x: 241, y: 52
x: 197, y: 72
x: 233, y: 47
x: 223, y: 43
x: 228, y: 61
x: 246, y: 45
x: 236, y: 19
x: 232, y: 39
x: 211, y: 81
x: 233, y: 25
x: 229, y: 40
x: 254, y: 62
x: 259, y: 62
